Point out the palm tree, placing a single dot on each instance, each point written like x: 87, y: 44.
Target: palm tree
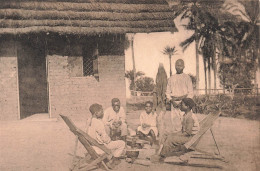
x: 206, y: 28
x: 245, y: 14
x: 211, y: 35
x: 170, y: 51
x: 203, y: 20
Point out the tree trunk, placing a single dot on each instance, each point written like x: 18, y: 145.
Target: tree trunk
x: 221, y: 59
x: 197, y: 64
x: 170, y: 58
x: 205, y: 72
x: 197, y: 51
x: 215, y: 70
x: 133, y: 58
x: 209, y: 75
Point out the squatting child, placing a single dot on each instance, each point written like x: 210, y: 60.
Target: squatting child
x: 148, y: 120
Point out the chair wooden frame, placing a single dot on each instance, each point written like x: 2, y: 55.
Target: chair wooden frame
x: 205, y: 125
x: 87, y: 142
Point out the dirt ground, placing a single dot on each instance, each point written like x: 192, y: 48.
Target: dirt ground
x: 41, y: 144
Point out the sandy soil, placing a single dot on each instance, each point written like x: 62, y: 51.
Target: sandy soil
x: 41, y: 144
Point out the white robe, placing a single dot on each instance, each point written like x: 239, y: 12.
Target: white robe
x: 178, y: 85
x: 150, y: 119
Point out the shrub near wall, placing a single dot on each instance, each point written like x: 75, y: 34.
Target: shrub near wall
x: 238, y: 107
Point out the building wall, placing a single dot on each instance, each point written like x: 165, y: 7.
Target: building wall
x: 69, y: 94
x: 8, y: 82
x: 72, y: 96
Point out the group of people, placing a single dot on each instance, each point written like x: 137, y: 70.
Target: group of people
x: 103, y: 124
x: 179, y: 92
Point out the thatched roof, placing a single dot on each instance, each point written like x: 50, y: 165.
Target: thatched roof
x: 85, y: 16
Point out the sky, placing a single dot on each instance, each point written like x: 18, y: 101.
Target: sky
x: 148, y: 51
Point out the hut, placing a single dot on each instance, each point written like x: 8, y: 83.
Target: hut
x: 59, y: 56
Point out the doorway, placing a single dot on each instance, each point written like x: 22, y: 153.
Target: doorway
x: 33, y: 91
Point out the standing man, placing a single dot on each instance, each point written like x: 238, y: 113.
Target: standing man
x: 179, y: 86
x: 114, y: 119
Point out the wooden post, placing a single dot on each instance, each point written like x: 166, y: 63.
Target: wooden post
x: 134, y: 69
x: 17, y: 82
x: 74, y: 153
x: 214, y: 140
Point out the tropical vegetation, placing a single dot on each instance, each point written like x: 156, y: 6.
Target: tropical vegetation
x: 222, y: 30
x: 142, y: 83
x: 170, y: 51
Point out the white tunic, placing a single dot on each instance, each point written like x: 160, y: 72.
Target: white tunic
x: 150, y: 119
x: 97, y: 131
x: 179, y: 85
x: 111, y: 116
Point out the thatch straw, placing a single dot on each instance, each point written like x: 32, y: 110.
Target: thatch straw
x: 83, y: 30
x: 85, y: 16
x: 112, y: 16
x: 86, y: 23
x: 103, y: 1
x: 109, y: 7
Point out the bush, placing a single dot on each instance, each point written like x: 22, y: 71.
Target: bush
x: 238, y: 107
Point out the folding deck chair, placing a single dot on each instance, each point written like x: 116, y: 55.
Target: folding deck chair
x: 87, y: 142
x: 205, y: 125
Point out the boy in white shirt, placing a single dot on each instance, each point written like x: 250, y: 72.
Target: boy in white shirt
x: 97, y: 131
x: 148, y: 120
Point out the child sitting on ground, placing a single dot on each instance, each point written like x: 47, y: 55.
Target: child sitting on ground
x: 148, y: 127
x: 97, y: 131
x: 190, y: 126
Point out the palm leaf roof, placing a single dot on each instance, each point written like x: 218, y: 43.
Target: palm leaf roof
x: 86, y: 16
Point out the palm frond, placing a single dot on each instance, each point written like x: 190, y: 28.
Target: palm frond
x: 169, y: 50
x: 187, y: 42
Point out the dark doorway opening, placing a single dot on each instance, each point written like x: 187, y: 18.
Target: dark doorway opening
x: 33, y: 91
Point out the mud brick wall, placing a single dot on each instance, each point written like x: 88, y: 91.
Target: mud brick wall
x: 8, y: 79
x: 72, y: 96
x: 8, y: 88
x: 112, y: 80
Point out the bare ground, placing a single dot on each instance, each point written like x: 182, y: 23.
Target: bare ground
x: 38, y: 143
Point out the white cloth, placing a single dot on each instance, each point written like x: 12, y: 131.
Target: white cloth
x: 196, y: 125
x: 117, y: 148
x: 111, y: 116
x: 150, y: 119
x: 122, y: 127
x: 176, y: 119
x: 179, y: 85
x: 97, y: 131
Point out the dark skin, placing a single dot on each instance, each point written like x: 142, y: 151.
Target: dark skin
x: 99, y: 114
x: 148, y: 109
x: 116, y: 108
x: 179, y: 66
x: 187, y: 110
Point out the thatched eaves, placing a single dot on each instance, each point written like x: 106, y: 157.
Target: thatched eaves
x: 86, y: 16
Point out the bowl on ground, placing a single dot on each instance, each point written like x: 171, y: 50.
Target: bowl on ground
x: 132, y: 153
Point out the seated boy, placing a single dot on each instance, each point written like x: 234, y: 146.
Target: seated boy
x: 190, y: 126
x: 114, y: 120
x: 148, y: 120
x: 97, y: 131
